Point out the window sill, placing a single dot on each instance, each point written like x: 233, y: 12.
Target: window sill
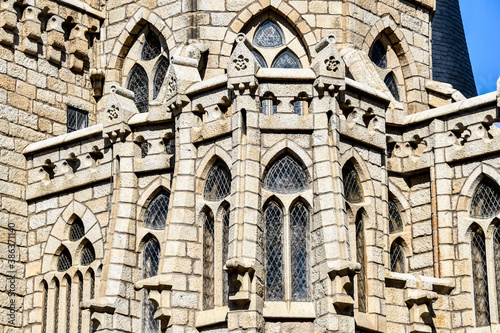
x: 212, y: 317
x: 296, y: 310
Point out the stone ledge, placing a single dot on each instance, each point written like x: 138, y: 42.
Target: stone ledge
x: 295, y: 310
x: 304, y: 74
x: 209, y: 84
x: 283, y: 121
x: 212, y: 317
x: 429, y: 4
x: 153, y: 162
x: 363, y: 88
x: 82, y: 6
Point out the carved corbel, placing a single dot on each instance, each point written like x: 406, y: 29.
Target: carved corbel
x: 342, y: 273
x: 47, y: 171
x: 120, y: 107
x: 420, y: 305
x: 78, y: 47
x: 101, y: 312
x: 328, y: 66
x: 8, y: 22
x: 242, y: 67
x: 159, y: 290
x: 97, y: 79
x: 241, y: 273
x: 55, y: 39
x: 30, y: 31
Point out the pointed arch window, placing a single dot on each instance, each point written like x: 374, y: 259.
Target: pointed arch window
x: 68, y: 304
x: 156, y: 214
x: 218, y: 184
x: 496, y: 253
x: 299, y: 226
x: 151, y: 47
x: 150, y: 264
x: 395, y: 220
x: 44, y: 311
x: 88, y: 255
x: 382, y: 54
x: 398, y: 258
x: 480, y: 277
x: 268, y: 35
x: 64, y: 262
x: 275, y: 280
x: 486, y: 200
x: 77, y: 230
x: 360, y: 257
x: 225, y: 249
x: 208, y: 259
x: 138, y: 83
x: 286, y: 59
x: 260, y: 59
x: 392, y: 85
x: 160, y: 73
x: 352, y: 188
x: 379, y: 54
x: 286, y: 176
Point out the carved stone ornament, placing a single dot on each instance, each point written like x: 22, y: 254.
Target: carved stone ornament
x: 240, y: 63
x: 113, y: 112
x: 329, y: 66
x: 241, y: 74
x: 119, y: 108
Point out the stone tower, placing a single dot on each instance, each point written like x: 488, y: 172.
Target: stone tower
x: 450, y: 56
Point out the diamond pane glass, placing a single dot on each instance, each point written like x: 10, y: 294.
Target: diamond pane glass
x: 77, y: 230
x: 260, y: 59
x: 379, y: 55
x: 88, y: 255
x: 56, y: 306
x: 286, y: 60
x: 68, y: 304
x: 395, y: 221
x: 480, y: 278
x: 80, y: 301
x: 352, y: 188
x: 151, y: 48
x: 360, y: 257
x: 392, y: 85
x: 496, y: 251
x: 76, y: 119
x: 64, y: 262
x: 268, y: 35
x: 160, y: 73
x: 45, y: 300
x: 156, y: 215
x: 275, y: 285
x: 486, y: 200
x: 286, y: 176
x: 218, y: 184
x: 397, y: 259
x: 299, y: 231
x: 138, y: 83
x: 150, y: 259
x: 144, y: 149
x: 149, y: 324
x: 225, y: 248
x: 208, y: 260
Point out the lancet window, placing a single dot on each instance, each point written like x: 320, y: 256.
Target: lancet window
x: 395, y: 220
x: 486, y: 200
x: 398, y: 257
x: 480, y: 276
x: 387, y: 64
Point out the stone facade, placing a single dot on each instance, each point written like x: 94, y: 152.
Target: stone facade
x: 248, y: 166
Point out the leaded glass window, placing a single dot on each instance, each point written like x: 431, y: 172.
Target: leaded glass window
x: 218, y: 184
x: 360, y: 257
x: 144, y: 149
x: 298, y: 108
x: 480, y: 277
x: 225, y: 249
x: 76, y: 119
x: 379, y: 55
x: 64, y: 262
x: 68, y: 304
x: 151, y: 48
x: 208, y: 259
x: 352, y: 188
x: 156, y: 214
x: 496, y: 253
x: 80, y: 301
x: 268, y: 35
x: 395, y: 221
x: 77, y: 230
x: 160, y: 73
x: 275, y: 280
x: 398, y: 259
x: 88, y: 255
x: 260, y: 59
x: 138, y: 83
x: 269, y: 107
x: 392, y: 85
x: 56, y: 307
x: 486, y: 200
x: 286, y: 59
x: 150, y: 264
x: 45, y: 301
x: 286, y: 176
x: 299, y: 231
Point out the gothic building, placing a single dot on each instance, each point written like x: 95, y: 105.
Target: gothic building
x: 245, y: 166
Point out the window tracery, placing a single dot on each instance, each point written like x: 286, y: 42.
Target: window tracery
x: 218, y: 184
x: 286, y: 59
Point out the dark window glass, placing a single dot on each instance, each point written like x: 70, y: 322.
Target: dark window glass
x: 88, y: 255
x: 150, y: 264
x: 286, y: 176
x: 225, y: 248
x: 77, y: 230
x: 45, y: 300
x: 68, y: 305
x: 496, y: 253
x: 144, y: 149
x: 80, y: 301
x: 352, y: 188
x: 299, y: 231
x: 392, y: 85
x: 156, y: 215
x: 269, y: 107
x: 268, y: 35
x: 76, y: 119
x: 298, y: 107
x: 286, y: 59
x: 208, y: 260
x: 395, y: 221
x: 480, y: 277
x: 397, y: 259
x: 260, y: 59
x: 218, y: 183
x: 486, y: 200
x: 151, y: 48
x: 275, y: 285
x: 64, y: 262
x: 56, y: 305
x: 138, y: 83
x: 379, y: 54
x: 160, y: 73
x: 360, y: 256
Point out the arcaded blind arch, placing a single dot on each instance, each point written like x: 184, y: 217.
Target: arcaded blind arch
x: 275, y: 279
x: 286, y: 176
x: 150, y: 265
x: 218, y: 183
x: 157, y: 211
x: 486, y: 200
x: 480, y: 276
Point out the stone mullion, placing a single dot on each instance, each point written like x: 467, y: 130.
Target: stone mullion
x: 51, y: 308
x: 122, y: 253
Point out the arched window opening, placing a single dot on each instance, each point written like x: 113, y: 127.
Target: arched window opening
x: 379, y: 55
x: 260, y: 59
x: 273, y: 221
x: 480, y: 277
x: 88, y: 255
x: 64, y: 262
x: 486, y: 200
x: 218, y: 183
x: 138, y: 83
x: 360, y: 257
x: 44, y: 311
x: 395, y: 220
x: 56, y: 306
x: 160, y: 73
x: 68, y: 304
x: 156, y: 214
x: 352, y: 188
x: 208, y: 259
x: 286, y: 59
x: 496, y: 253
x: 392, y: 85
x: 151, y: 48
x: 268, y: 35
x: 299, y: 231
x: 398, y: 258
x: 225, y: 249
x: 77, y: 230
x: 286, y: 176
x: 269, y: 105
x: 150, y: 264
x: 80, y: 301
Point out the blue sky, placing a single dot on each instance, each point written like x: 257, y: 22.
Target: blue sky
x: 481, y: 20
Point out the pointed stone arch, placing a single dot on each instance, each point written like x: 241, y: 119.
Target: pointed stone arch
x: 359, y: 165
x: 150, y: 192
x: 295, y: 151
x: 207, y: 162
